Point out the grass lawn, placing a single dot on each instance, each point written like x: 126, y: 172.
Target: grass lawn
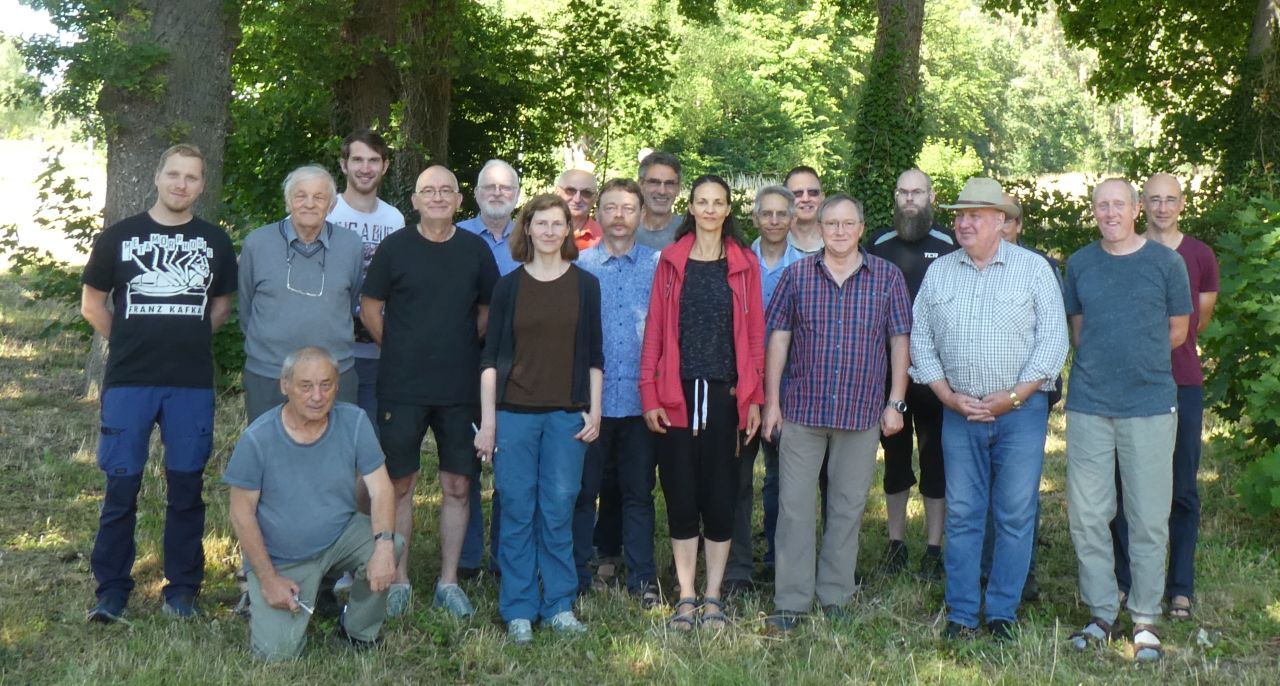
x: 51, y: 491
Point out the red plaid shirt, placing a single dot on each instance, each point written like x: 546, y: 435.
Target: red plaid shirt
x: 838, y: 361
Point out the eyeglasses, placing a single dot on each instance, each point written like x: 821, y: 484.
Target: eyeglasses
x: 619, y: 209
x: 492, y: 187
x: 586, y: 193
x: 811, y: 192
x: 432, y: 193
x: 655, y: 184
x: 775, y: 214
x: 913, y: 193
x: 847, y: 225
x: 288, y: 260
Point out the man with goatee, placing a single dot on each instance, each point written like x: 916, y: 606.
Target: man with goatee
x: 913, y: 243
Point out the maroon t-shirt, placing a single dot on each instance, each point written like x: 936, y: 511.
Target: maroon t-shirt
x: 1202, y: 269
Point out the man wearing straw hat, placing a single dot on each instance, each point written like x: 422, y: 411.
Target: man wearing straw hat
x: 989, y: 339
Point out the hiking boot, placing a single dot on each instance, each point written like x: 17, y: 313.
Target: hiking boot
x: 895, y: 558
x: 1001, y: 630
x: 782, y: 622
x: 958, y: 632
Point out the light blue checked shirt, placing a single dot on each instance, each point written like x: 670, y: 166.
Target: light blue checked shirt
x: 625, y: 283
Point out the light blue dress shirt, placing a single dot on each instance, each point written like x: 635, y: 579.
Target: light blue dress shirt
x: 625, y: 283
x: 499, y: 246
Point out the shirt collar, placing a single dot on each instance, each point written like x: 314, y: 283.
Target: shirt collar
x: 826, y: 273
x: 630, y: 256
x: 999, y: 258
x: 790, y: 254
x: 291, y: 233
x: 484, y: 228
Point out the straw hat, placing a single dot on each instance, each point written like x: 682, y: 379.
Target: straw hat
x: 983, y: 193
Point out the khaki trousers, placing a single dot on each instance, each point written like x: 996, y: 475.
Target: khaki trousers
x: 279, y: 634
x: 849, y: 473
x: 1144, y: 448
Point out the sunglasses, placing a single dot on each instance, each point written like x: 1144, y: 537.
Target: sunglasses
x: 586, y: 193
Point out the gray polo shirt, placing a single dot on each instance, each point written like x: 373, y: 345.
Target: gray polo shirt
x: 294, y: 294
x: 662, y: 237
x: 307, y: 492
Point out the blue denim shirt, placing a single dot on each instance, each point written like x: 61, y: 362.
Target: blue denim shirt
x: 769, y: 277
x: 624, y: 303
x: 501, y: 249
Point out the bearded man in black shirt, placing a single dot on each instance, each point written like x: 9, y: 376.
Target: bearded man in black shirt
x: 913, y: 243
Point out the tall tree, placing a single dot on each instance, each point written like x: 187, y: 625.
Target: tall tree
x: 366, y: 93
x: 888, y: 135
x: 160, y: 70
x: 429, y: 45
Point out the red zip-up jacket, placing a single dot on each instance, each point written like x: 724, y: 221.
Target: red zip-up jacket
x: 660, y: 356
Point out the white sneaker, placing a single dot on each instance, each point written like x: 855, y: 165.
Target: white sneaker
x: 566, y: 623
x: 520, y: 631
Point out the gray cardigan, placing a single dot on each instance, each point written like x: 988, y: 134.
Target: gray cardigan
x: 276, y: 319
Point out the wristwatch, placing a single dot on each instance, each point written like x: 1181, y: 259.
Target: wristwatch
x: 385, y: 536
x: 1013, y: 398
x: 899, y: 405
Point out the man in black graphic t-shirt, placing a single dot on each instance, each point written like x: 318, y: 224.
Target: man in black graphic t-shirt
x: 913, y: 243
x: 170, y: 277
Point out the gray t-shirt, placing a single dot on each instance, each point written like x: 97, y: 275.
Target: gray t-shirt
x: 293, y: 295
x: 662, y: 237
x: 1122, y: 364
x: 307, y: 492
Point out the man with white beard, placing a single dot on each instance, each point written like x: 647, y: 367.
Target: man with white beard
x: 497, y: 194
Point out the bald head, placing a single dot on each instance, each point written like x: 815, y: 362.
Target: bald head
x: 436, y: 197
x: 578, y: 188
x: 1163, y: 202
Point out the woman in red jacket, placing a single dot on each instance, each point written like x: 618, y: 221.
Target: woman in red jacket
x: 702, y: 384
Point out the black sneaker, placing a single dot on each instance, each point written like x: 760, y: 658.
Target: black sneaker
x: 958, y: 632
x: 468, y: 573
x: 109, y: 610
x: 1001, y: 630
x: 931, y: 568
x: 1031, y: 590
x: 782, y: 622
x: 895, y: 558
x: 734, y: 588
x: 182, y: 607
x: 343, y: 638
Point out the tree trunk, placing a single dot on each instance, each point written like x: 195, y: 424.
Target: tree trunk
x: 190, y: 105
x: 364, y: 98
x: 427, y: 86
x: 1252, y: 142
x: 887, y: 136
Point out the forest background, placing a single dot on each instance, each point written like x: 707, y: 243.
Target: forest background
x: 1046, y: 96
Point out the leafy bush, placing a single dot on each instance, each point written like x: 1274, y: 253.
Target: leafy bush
x: 1244, y: 386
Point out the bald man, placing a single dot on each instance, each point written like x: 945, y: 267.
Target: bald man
x: 578, y: 188
x: 1163, y: 202
x: 434, y: 283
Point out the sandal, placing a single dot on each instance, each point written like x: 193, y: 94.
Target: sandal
x: 1096, y: 631
x: 683, y: 621
x: 713, y: 614
x: 1146, y: 644
x: 650, y: 597
x: 1179, y: 607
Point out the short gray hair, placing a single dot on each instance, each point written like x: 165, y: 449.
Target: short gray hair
x: 306, y: 173
x: 499, y: 164
x: 305, y: 354
x: 1133, y: 192
x: 780, y: 191
x: 836, y: 199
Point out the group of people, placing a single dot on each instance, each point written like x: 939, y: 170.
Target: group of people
x: 594, y: 342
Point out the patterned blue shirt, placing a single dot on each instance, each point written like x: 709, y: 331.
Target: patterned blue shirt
x: 769, y: 277
x: 499, y: 246
x: 624, y: 303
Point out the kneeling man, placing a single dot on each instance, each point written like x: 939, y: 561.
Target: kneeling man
x: 293, y: 507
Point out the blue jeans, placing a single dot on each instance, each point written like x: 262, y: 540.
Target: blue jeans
x: 627, y: 444
x: 538, y: 469
x: 129, y: 413
x: 1184, y: 515
x: 991, y: 467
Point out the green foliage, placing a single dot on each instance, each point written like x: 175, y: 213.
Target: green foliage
x: 1056, y: 222
x: 20, y: 115
x: 64, y: 209
x: 1244, y: 386
x: 104, y: 47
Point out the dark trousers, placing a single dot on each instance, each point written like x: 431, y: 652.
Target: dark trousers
x: 1184, y: 515
x: 742, y: 554
x: 608, y: 531
x: 473, y: 543
x: 114, y: 548
x: 923, y: 419
x: 699, y: 473
x: 625, y: 446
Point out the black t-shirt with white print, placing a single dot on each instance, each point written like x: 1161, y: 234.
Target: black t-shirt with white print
x: 161, y: 280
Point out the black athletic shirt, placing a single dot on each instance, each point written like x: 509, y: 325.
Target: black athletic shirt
x: 430, y: 347
x: 161, y: 279
x: 912, y: 258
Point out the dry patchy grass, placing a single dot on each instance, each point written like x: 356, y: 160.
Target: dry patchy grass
x: 47, y: 519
